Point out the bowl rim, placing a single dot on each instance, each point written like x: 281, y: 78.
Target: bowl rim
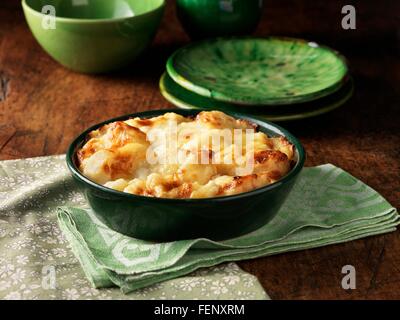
x: 26, y: 6
x: 301, y: 155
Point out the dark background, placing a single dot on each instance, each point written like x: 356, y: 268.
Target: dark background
x: 43, y: 106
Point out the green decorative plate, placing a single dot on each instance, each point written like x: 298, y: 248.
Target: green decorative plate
x: 186, y: 99
x: 258, y: 71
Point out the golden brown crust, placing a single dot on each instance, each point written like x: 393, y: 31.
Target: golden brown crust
x: 269, y: 155
x: 115, y: 155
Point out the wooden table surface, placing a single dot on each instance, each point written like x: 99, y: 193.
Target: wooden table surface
x: 43, y: 106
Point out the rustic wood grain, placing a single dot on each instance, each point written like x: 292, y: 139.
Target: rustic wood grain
x: 43, y: 106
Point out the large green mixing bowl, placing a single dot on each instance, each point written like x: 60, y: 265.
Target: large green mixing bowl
x: 93, y: 36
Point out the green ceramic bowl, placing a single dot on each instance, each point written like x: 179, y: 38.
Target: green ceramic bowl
x: 212, y: 18
x: 161, y: 219
x: 94, y: 36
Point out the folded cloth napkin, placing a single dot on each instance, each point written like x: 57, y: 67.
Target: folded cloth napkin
x: 36, y: 263
x: 326, y: 206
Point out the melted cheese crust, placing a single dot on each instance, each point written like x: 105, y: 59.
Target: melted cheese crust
x: 115, y: 156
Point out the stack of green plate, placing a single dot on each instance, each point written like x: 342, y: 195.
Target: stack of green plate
x: 279, y: 79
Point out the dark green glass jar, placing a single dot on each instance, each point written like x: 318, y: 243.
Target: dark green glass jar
x: 213, y: 18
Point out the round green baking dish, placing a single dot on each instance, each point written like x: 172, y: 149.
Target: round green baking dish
x: 161, y: 219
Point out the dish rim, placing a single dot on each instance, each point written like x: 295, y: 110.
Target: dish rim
x: 204, y: 91
x: 26, y: 6
x: 298, y: 115
x: 300, y: 153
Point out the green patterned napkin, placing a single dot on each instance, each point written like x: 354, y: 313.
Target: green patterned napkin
x: 37, y: 263
x: 326, y: 206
